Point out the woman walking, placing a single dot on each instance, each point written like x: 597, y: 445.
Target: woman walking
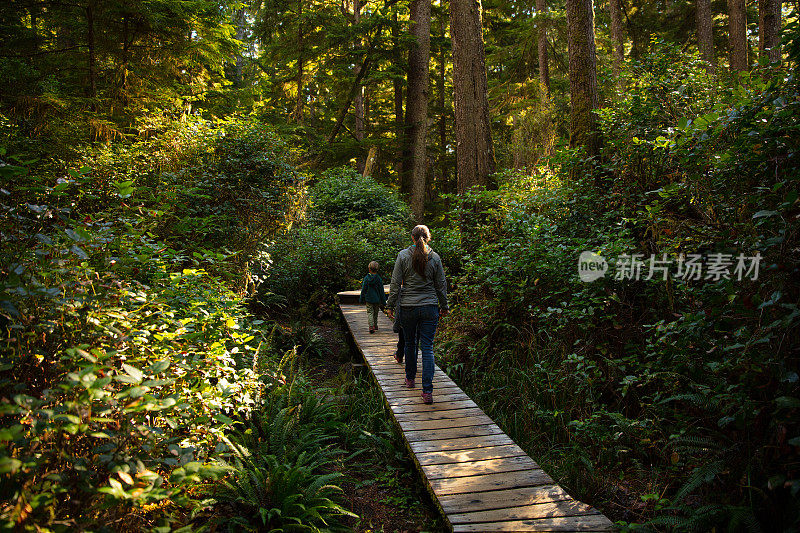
x: 419, y: 271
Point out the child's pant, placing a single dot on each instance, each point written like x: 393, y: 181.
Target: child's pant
x: 372, y: 314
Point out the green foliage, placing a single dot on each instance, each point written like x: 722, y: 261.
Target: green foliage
x: 342, y: 195
x: 352, y: 221
x: 124, y: 359
x: 280, y: 477
x: 681, y: 389
x: 317, y: 261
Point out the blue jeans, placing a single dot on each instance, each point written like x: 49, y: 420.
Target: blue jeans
x: 420, y: 321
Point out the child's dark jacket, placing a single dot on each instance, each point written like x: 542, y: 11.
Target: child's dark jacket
x: 372, y: 290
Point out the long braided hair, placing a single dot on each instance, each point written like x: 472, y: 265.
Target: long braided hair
x: 419, y: 260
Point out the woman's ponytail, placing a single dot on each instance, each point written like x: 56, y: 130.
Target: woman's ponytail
x: 419, y: 260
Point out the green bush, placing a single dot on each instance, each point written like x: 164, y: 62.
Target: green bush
x: 341, y: 195
x: 282, y: 456
x: 124, y: 358
x: 351, y: 221
x: 633, y: 382
x: 318, y: 261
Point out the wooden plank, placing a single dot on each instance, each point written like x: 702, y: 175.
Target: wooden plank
x: 403, y: 392
x: 393, y: 384
x: 484, y: 482
x: 400, y: 401
x: 501, y: 499
x: 475, y: 441
x: 473, y: 454
x: 438, y: 414
x: 452, y: 433
x: 443, y: 423
x: 562, y: 509
x: 384, y: 372
x: 416, y: 407
x: 438, y: 387
x: 473, y: 468
x: 582, y: 523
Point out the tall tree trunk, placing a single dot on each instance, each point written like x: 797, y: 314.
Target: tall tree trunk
x: 769, y: 29
x: 126, y: 46
x: 241, y: 35
x: 398, y: 103
x: 372, y: 158
x: 358, y: 102
x: 616, y: 36
x: 92, y: 63
x: 737, y: 35
x: 582, y: 76
x: 541, y: 43
x: 705, y: 34
x: 442, y: 101
x: 416, y: 119
x: 474, y: 150
x: 298, y: 106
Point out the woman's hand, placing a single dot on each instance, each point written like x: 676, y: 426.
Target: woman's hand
x: 390, y: 313
x: 443, y: 313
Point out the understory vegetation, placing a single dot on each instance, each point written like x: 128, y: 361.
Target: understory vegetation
x: 672, y: 402
x: 139, y: 391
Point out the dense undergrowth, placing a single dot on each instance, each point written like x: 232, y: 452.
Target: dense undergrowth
x: 138, y: 392
x: 667, y: 401
x: 352, y: 220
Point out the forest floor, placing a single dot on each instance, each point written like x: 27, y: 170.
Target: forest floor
x: 387, y: 497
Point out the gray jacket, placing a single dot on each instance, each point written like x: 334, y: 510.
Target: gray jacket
x: 430, y: 290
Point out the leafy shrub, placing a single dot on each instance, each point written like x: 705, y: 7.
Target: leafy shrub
x: 124, y: 358
x: 281, y: 465
x: 341, y: 195
x: 623, y: 383
x: 318, y: 260
x: 352, y: 221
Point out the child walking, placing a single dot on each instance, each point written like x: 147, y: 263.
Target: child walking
x: 372, y: 293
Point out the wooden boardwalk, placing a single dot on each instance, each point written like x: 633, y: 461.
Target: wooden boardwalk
x: 478, y: 477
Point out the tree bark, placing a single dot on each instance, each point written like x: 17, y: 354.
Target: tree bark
x: 416, y: 119
x: 705, y: 34
x: 241, y: 34
x: 616, y: 36
x: 474, y: 150
x: 297, y: 114
x: 372, y: 158
x: 769, y: 29
x: 398, y: 104
x: 442, y: 100
x: 90, y: 43
x: 358, y: 101
x: 737, y: 35
x: 541, y: 43
x: 582, y: 76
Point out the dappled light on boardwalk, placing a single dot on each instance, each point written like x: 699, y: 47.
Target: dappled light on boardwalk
x: 479, y: 478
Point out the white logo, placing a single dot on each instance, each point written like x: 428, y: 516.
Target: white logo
x: 591, y: 266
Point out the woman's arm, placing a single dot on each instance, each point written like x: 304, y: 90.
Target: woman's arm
x: 440, y: 284
x: 394, y: 286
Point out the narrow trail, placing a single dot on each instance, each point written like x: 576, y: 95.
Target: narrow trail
x: 478, y: 477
